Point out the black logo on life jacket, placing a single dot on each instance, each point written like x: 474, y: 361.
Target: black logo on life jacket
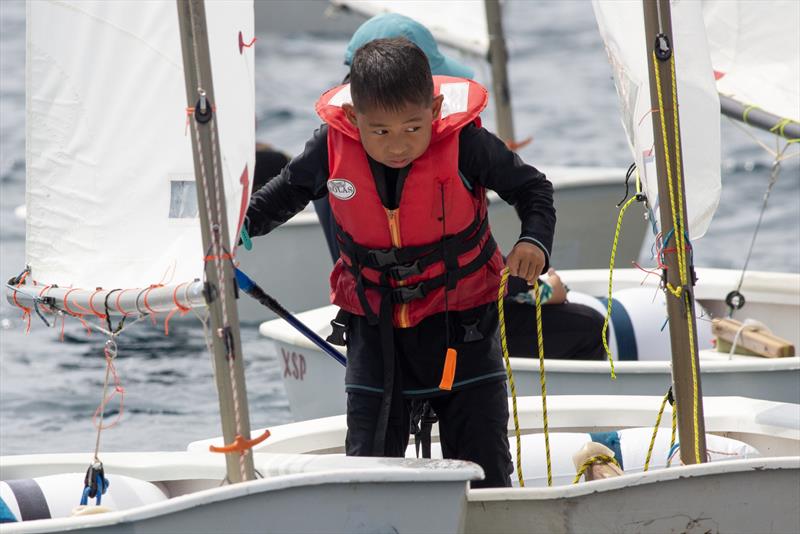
x: 342, y: 189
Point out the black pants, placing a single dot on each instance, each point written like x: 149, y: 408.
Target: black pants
x: 473, y: 426
x: 571, y: 331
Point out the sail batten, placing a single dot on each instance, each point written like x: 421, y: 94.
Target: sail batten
x: 110, y: 195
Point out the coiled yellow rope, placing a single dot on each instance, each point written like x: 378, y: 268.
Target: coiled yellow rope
x: 599, y: 459
x: 680, y: 233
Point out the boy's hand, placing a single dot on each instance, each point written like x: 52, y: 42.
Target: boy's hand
x: 526, y: 261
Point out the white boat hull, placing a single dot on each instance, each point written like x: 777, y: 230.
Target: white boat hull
x: 738, y: 495
x: 752, y: 496
x: 314, y: 382
x: 299, y: 494
x: 292, y: 264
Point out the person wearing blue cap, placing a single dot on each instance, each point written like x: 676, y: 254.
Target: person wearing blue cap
x: 390, y: 25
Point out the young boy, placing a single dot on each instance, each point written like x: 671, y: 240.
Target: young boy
x: 405, y: 162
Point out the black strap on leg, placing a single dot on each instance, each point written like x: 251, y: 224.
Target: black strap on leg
x: 386, y: 329
x: 422, y: 420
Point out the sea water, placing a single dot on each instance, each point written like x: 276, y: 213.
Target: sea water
x: 563, y: 96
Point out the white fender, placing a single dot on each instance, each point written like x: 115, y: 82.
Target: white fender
x: 637, y: 330
x: 62, y: 493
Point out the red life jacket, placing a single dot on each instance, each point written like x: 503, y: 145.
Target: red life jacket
x: 400, y: 253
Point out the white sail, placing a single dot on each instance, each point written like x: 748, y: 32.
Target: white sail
x: 110, y: 177
x: 621, y: 25
x: 459, y: 24
x: 755, y: 52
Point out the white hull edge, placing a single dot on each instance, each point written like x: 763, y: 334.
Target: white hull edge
x: 758, y: 495
x: 298, y: 494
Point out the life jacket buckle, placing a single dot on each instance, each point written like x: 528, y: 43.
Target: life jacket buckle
x: 383, y: 257
x: 339, y: 323
x: 401, y: 272
x: 337, y: 336
x: 406, y: 294
x: 471, y: 332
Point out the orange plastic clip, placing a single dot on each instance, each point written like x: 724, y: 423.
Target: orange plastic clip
x: 516, y: 145
x: 449, y: 371
x: 240, y: 444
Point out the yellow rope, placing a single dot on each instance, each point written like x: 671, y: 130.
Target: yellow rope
x: 674, y: 427
x: 502, y: 320
x: 655, y: 432
x: 540, y: 335
x: 679, y: 233
x: 747, y: 111
x: 611, y: 278
x: 599, y: 459
x: 780, y: 127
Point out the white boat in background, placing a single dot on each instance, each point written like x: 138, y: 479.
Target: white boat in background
x: 314, y: 381
x: 752, y: 486
x: 296, y: 254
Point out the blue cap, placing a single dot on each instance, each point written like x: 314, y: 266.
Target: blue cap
x: 390, y: 25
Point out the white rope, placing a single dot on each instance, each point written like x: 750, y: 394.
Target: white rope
x: 750, y: 325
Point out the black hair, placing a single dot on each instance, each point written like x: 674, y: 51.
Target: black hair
x: 389, y: 74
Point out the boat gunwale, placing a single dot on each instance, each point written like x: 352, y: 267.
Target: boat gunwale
x: 457, y: 475
x: 635, y: 479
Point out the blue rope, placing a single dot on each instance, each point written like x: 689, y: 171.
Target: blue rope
x: 102, y: 486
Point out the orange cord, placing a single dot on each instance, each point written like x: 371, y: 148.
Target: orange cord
x: 183, y: 310
x: 119, y: 308
x: 91, y: 305
x: 26, y: 312
x: 118, y: 390
x: 75, y: 314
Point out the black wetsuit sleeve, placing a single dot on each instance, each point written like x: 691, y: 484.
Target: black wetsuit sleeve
x: 301, y: 181
x: 485, y: 160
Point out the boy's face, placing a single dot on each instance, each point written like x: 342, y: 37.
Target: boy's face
x: 395, y: 138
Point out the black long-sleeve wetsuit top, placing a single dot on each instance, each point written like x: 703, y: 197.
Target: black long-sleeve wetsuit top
x: 483, y: 160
